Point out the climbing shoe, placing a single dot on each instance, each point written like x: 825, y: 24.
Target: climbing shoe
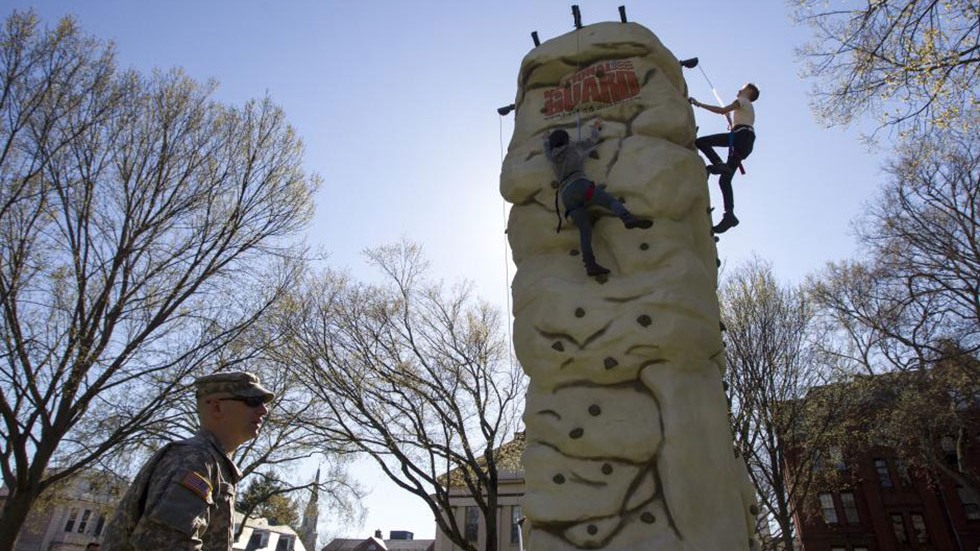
x: 720, y: 168
x: 594, y: 269
x: 631, y: 222
x: 728, y: 221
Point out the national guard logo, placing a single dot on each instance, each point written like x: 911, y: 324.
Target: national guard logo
x: 596, y: 86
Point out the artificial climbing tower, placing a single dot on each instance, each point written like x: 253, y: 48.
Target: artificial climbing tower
x: 628, y: 441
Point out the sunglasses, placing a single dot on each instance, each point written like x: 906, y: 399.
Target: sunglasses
x: 251, y: 401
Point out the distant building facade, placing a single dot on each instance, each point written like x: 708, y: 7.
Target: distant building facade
x: 889, y: 507
x: 259, y: 535
x: 72, y: 514
x: 866, y: 498
x: 510, y: 491
x: 398, y: 540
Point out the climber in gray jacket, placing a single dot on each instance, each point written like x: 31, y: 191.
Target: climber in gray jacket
x: 579, y: 192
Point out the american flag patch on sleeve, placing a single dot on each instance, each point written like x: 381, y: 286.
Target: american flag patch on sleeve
x: 197, y: 484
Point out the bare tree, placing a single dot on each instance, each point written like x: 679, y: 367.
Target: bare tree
x: 143, y: 227
x: 772, y: 364
x: 415, y: 376
x: 918, y: 289
x: 910, y: 64
x: 923, y: 235
x: 911, y: 308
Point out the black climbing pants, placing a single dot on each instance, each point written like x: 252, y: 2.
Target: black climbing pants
x: 741, y: 147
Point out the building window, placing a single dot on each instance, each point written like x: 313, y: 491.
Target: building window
x: 816, y: 459
x: 862, y: 548
x: 828, y: 509
x: 919, y: 528
x: 84, y: 522
x: 884, y: 477
x: 99, y: 525
x: 948, y: 444
x: 959, y: 399
x: 72, y: 517
x: 898, y: 526
x: 902, y: 470
x: 838, y: 548
x: 515, y: 523
x: 850, y: 508
x: 472, y: 524
x: 285, y: 543
x: 836, y: 457
x: 259, y: 539
x: 971, y: 506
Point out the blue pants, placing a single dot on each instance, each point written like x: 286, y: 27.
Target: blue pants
x: 741, y: 143
x: 578, y: 195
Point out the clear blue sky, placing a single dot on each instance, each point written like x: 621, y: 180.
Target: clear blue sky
x: 396, y: 102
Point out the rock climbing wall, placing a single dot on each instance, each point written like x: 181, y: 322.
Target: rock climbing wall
x: 628, y: 441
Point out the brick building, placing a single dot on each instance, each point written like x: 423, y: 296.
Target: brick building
x: 867, y: 498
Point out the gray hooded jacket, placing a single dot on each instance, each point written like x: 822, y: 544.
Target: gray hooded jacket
x: 568, y: 160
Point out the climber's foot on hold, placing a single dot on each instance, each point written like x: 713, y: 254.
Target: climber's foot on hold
x: 720, y: 168
x: 631, y: 222
x: 594, y: 269
x: 728, y: 221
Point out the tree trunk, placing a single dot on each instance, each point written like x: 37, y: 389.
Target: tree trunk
x: 787, y: 537
x: 491, y: 515
x: 15, y: 510
x: 491, y: 543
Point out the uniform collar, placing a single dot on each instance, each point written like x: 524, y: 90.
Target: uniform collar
x: 219, y: 450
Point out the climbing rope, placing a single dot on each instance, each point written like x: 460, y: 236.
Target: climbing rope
x: 721, y: 103
x: 578, y: 67
x: 503, y: 211
x: 715, y: 92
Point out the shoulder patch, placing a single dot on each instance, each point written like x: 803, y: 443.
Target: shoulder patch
x: 198, y: 484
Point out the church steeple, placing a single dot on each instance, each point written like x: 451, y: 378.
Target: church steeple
x: 307, y: 530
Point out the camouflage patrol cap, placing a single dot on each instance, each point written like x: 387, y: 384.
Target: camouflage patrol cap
x: 236, y: 383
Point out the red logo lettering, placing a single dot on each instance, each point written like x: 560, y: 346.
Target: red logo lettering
x: 603, y: 83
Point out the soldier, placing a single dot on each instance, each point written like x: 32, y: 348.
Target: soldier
x: 184, y: 497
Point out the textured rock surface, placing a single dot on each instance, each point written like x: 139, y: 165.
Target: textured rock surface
x: 628, y: 442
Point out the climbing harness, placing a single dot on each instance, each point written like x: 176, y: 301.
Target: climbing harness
x: 589, y: 193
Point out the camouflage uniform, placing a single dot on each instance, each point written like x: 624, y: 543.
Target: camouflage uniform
x: 168, y: 508
x: 184, y: 497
